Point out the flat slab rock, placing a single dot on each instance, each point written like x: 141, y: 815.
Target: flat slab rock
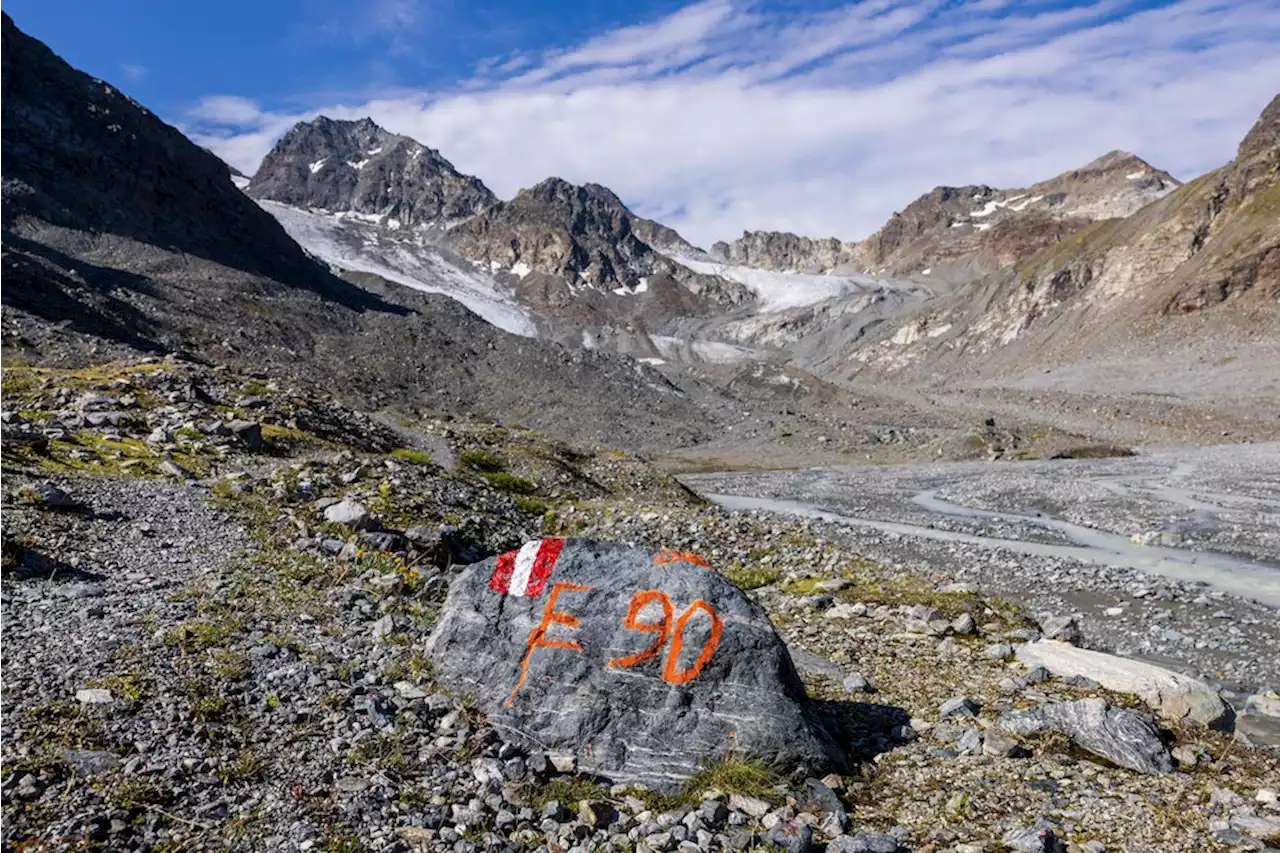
x: 1125, y: 738
x: 1170, y: 694
x: 642, y: 664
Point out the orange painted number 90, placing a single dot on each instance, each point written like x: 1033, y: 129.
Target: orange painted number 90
x: 671, y: 672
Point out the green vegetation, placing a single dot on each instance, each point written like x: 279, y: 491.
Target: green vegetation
x: 532, y: 505
x: 196, y: 635
x: 411, y: 456
x: 510, y: 482
x: 482, y: 460
x: 736, y: 776
x: 754, y: 577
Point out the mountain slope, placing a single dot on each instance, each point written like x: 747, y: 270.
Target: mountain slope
x: 1194, y: 273
x: 961, y: 233
x: 120, y: 233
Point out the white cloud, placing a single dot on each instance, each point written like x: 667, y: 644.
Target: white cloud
x: 133, y: 72
x: 723, y: 117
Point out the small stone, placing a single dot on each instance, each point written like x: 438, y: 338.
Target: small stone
x: 970, y: 743
x: 1034, y: 839
x: 791, y: 836
x: 94, y: 696
x: 596, y: 814
x: 409, y: 690
x: 1065, y: 629
x: 173, y: 469
x: 856, y: 683
x: 997, y: 651
x: 350, y: 513
x: 752, y: 806
x: 959, y: 706
x: 1000, y: 744
x: 863, y: 842
x: 964, y: 624
x: 384, y: 628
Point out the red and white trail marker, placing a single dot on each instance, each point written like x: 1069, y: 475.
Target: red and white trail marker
x: 525, y: 571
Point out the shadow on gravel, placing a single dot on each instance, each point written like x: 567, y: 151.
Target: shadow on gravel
x: 864, y: 729
x: 24, y: 564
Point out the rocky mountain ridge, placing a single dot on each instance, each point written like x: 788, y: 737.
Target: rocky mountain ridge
x: 786, y: 252
x: 358, y: 167
x: 961, y: 233
x: 1199, y: 266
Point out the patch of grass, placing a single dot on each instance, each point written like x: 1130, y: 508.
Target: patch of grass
x: 196, y: 635
x: 247, y: 767
x: 411, y: 456
x: 568, y: 791
x: 385, y: 751
x: 130, y: 687
x: 482, y: 460
x: 532, y: 505
x: 342, y: 843
x: 753, y: 578
x: 230, y: 665
x: 132, y: 792
x: 510, y: 482
x: 736, y: 776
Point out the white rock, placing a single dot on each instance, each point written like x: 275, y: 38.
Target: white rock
x: 94, y: 696
x: 1171, y: 694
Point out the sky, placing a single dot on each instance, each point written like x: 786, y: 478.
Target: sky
x: 813, y: 116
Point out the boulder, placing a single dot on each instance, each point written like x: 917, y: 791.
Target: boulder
x: 1172, y: 695
x: 1125, y: 738
x: 350, y: 513
x: 643, y: 665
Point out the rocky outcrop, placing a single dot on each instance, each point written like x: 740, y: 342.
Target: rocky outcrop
x: 963, y: 232
x: 1209, y: 252
x: 1125, y: 738
x: 638, y: 665
x: 80, y: 155
x: 359, y: 167
x: 1173, y: 696
x: 785, y: 252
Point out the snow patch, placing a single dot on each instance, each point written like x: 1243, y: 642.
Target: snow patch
x: 240, y: 181
x: 983, y: 226
x: 1138, y: 175
x: 642, y: 287
x: 372, y: 151
x: 342, y: 239
x: 358, y: 164
x: 908, y: 334
x: 521, y: 269
x: 653, y: 361
x: 712, y: 351
x: 926, y: 270
x: 779, y: 291
x: 938, y: 330
x: 317, y: 165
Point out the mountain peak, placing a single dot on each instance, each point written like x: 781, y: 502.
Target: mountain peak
x: 356, y: 165
x: 1265, y: 133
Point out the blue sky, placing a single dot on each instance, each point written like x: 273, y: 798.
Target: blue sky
x: 714, y: 116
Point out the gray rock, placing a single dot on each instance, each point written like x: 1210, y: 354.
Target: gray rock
x: 1034, y: 839
x: 1062, y: 628
x: 247, y: 433
x: 1001, y: 744
x: 970, y: 743
x: 577, y: 667
x: 94, y: 696
x: 350, y: 513
x: 173, y: 469
x: 90, y: 762
x: 1123, y: 737
x: 596, y: 814
x: 1173, y: 695
x: 964, y: 624
x: 50, y: 495
x: 959, y: 706
x: 791, y: 836
x: 856, y: 683
x: 997, y: 651
x: 751, y: 806
x: 863, y: 842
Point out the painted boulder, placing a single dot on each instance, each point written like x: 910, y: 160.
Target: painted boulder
x: 642, y: 665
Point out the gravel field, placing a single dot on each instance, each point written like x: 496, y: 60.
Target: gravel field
x: 1172, y: 556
